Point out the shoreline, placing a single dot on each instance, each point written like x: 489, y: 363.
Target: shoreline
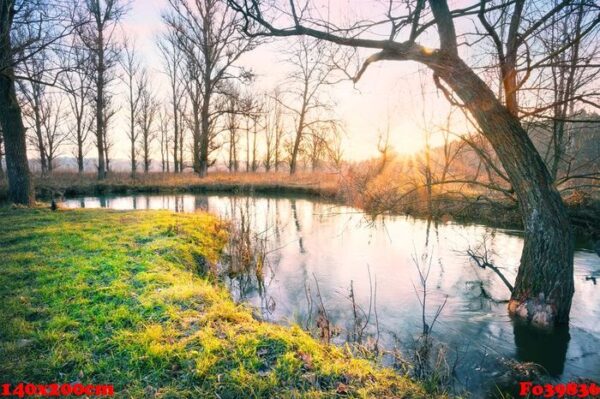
x: 585, y: 217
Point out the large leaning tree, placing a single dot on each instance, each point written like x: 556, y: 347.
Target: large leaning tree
x: 544, y: 285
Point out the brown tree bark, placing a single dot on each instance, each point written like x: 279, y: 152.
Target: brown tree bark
x: 176, y: 160
x: 196, y: 133
x: 1, y: 155
x: 297, y: 139
x: 20, y: 184
x: 204, y: 132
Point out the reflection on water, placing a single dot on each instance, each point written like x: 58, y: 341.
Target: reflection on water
x: 308, y: 241
x: 541, y: 347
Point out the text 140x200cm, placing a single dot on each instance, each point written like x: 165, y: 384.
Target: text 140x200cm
x: 76, y: 389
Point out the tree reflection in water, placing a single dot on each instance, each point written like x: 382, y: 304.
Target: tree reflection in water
x: 546, y: 348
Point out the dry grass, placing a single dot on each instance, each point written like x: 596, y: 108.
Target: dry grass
x: 320, y: 183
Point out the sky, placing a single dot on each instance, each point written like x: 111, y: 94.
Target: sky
x: 389, y: 92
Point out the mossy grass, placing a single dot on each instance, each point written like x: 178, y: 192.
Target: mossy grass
x: 108, y: 297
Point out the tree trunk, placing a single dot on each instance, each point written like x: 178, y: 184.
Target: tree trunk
x: 146, y: 152
x: 236, y: 165
x: 294, y: 155
x: 106, y: 157
x: 1, y: 155
x: 181, y: 132
x: 132, y: 136
x: 544, y: 285
x: 299, y: 132
x: 205, y: 135
x: 20, y: 184
x: 247, y: 146
x: 79, y: 146
x: 100, y: 107
x: 231, y: 145
x: 196, y: 138
x: 276, y: 161
x: 133, y: 161
x: 38, y: 129
x: 176, y: 161
x: 80, y: 158
x: 165, y: 155
x: 254, y: 163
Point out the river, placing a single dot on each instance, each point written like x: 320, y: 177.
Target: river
x: 318, y: 247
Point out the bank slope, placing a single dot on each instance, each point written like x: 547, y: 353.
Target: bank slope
x: 108, y: 297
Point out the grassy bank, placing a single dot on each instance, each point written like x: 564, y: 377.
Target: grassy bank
x: 109, y: 297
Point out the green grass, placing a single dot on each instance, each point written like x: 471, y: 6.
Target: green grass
x: 107, y: 297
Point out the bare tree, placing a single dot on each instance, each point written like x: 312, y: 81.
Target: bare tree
x: 19, y: 179
x: 149, y: 107
x: 234, y: 112
x: 42, y: 108
x: 273, y: 131
x: 207, y: 31
x: 107, y: 115
x: 256, y: 117
x: 99, y: 37
x: 318, y: 146
x: 556, y: 71
x: 311, y: 73
x: 131, y: 70
x: 248, y: 107
x: 193, y: 87
x: 182, y: 133
x: 164, y: 122
x: 77, y: 84
x: 26, y: 28
x: 336, y: 150
x: 33, y: 91
x: 386, y: 152
x: 53, y: 119
x: 173, y: 58
x: 544, y: 284
x: 572, y: 76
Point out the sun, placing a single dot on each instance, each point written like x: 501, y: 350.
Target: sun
x: 407, y: 140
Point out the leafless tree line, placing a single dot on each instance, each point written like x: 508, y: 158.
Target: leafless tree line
x: 67, y: 93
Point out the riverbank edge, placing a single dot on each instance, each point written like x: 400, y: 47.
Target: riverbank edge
x: 585, y: 216
x: 126, y: 298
